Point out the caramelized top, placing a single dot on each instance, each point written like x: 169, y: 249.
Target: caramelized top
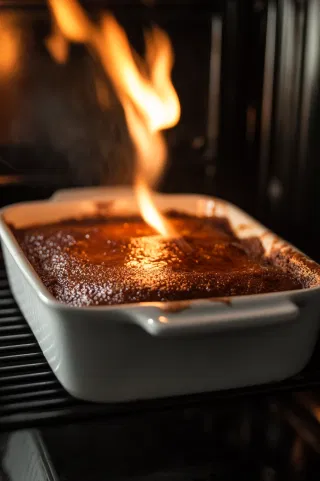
x: 115, y: 261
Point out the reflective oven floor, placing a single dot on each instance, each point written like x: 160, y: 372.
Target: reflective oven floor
x: 264, y: 440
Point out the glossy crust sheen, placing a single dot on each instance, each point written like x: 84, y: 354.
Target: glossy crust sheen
x: 104, y: 261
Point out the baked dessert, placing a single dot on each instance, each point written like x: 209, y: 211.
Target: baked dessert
x: 108, y: 261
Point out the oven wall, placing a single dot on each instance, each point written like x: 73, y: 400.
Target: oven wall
x: 290, y: 123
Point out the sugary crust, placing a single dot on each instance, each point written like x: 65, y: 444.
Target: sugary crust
x: 115, y: 261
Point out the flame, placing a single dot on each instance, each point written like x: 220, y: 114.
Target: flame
x: 144, y: 88
x: 72, y: 20
x: 58, y: 45
x: 10, y: 46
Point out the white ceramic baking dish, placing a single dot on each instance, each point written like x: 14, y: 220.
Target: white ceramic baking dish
x: 151, y: 350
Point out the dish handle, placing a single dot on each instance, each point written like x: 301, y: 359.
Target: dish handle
x: 193, y: 320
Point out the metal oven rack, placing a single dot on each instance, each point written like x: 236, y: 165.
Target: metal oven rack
x: 30, y: 395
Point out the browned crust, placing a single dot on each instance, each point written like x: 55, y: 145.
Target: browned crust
x: 95, y: 269
x: 301, y: 267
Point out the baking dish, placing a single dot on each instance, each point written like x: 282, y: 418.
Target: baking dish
x: 149, y: 350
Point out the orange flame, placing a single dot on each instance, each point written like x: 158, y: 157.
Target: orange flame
x: 10, y: 46
x: 147, y: 95
x: 58, y: 45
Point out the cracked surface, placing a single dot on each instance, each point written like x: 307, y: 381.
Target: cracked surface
x: 103, y: 261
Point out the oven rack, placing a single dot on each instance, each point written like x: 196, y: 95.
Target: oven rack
x: 30, y: 394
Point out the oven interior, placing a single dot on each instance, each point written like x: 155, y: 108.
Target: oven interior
x: 247, y: 75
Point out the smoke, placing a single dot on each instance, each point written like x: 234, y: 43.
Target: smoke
x: 72, y: 111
